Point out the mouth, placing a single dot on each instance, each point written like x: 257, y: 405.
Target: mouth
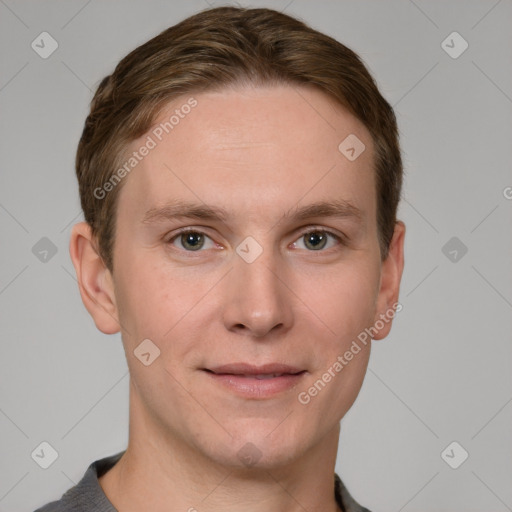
x: 256, y: 382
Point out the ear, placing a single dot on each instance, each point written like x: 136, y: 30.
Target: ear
x: 391, y: 275
x: 94, y: 279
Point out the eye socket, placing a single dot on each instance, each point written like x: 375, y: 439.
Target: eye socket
x: 191, y: 240
x: 318, y: 239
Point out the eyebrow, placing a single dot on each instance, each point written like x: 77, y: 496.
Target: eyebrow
x: 339, y: 208
x: 177, y: 209
x: 181, y: 209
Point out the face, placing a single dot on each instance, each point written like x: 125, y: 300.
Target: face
x: 277, y: 273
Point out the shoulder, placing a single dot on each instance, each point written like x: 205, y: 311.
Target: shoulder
x: 54, y: 506
x: 87, y: 495
x: 345, y: 499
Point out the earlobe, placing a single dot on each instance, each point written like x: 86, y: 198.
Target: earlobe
x: 94, y: 279
x: 391, y: 275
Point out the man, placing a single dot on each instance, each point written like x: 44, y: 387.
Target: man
x: 239, y: 175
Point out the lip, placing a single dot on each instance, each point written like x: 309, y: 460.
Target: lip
x: 250, y: 381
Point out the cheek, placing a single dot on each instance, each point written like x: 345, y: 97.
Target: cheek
x: 347, y: 307
x: 162, y: 302
x: 345, y: 301
x: 150, y: 300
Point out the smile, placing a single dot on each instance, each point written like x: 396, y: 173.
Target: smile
x: 256, y: 382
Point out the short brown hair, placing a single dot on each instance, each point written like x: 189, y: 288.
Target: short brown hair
x: 217, y: 48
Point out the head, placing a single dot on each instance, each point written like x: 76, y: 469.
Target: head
x: 237, y: 118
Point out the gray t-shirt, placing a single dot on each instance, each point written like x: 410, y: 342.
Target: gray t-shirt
x: 88, y: 496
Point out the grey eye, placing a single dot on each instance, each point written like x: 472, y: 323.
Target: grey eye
x: 315, y: 240
x: 192, y: 241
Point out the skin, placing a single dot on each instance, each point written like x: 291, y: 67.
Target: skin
x: 259, y: 153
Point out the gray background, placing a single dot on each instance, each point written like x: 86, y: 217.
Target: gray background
x: 444, y: 374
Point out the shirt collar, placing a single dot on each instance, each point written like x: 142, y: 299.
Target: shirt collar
x: 89, y: 488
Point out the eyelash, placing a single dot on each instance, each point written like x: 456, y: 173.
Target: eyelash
x: 340, y: 239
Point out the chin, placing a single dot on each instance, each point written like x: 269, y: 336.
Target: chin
x: 261, y: 448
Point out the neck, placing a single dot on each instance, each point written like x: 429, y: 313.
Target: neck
x: 160, y: 472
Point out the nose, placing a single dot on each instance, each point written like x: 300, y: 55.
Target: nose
x: 257, y: 300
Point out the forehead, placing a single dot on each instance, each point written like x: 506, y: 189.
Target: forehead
x: 257, y: 150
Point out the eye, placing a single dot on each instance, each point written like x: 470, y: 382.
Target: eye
x: 318, y: 239
x: 191, y: 240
